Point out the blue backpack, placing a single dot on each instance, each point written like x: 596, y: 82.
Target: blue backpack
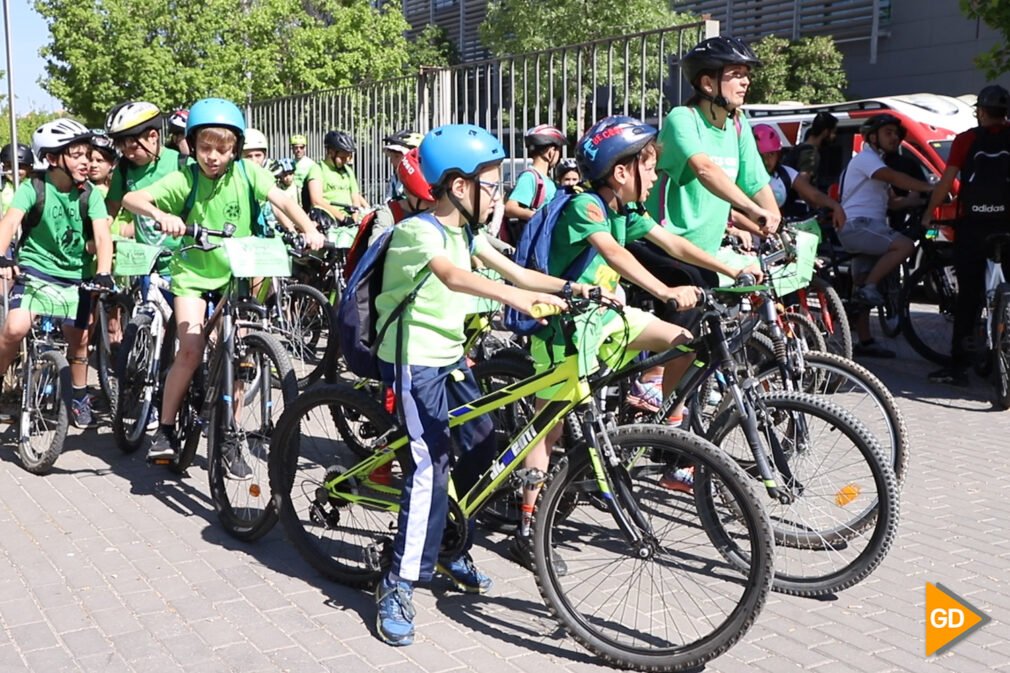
x: 533, y: 250
x: 357, y: 318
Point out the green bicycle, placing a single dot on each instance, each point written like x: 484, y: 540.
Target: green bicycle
x: 640, y: 560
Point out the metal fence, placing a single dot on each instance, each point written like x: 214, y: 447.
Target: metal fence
x: 569, y: 87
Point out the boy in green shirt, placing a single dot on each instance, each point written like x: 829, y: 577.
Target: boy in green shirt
x: 618, y: 158
x: 462, y: 164
x: 54, y: 251
x: 215, y: 132
x: 332, y: 183
x: 303, y: 165
x: 534, y: 188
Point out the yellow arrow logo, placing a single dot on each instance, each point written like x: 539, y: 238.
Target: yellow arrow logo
x: 949, y: 619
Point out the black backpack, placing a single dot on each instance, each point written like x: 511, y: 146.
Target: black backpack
x: 985, y: 177
x: 34, y: 216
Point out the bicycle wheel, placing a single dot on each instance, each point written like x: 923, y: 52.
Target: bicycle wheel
x: 889, y: 314
x: 242, y: 436
x: 135, y: 394
x: 826, y: 308
x: 806, y: 330
x: 856, y: 390
x: 929, y: 327
x: 306, y: 332
x: 43, y: 422
x: 672, y: 602
x: 191, y: 427
x: 343, y: 541
x: 1001, y: 352
x: 503, y: 511
x: 842, y: 514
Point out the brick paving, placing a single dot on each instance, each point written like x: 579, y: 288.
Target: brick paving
x: 107, y: 565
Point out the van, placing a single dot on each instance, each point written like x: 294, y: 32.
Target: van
x: 931, y: 120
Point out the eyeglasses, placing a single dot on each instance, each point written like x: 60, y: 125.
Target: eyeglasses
x: 494, y: 188
x: 129, y: 141
x: 736, y: 74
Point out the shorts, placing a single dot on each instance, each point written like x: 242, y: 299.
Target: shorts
x: 180, y: 288
x: 866, y: 236
x: 82, y: 314
x: 609, y: 338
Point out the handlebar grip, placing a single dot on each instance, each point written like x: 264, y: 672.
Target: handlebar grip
x: 539, y: 311
x: 745, y: 279
x: 673, y: 304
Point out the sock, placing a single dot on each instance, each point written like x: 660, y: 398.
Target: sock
x: 526, y: 522
x: 80, y: 393
x: 675, y: 421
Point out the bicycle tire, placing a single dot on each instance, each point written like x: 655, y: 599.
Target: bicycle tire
x: 45, y: 411
x: 929, y: 332
x: 502, y: 512
x: 246, y: 508
x: 107, y: 355
x: 805, y: 329
x: 1000, y: 373
x: 803, y: 545
x: 830, y: 317
x: 129, y: 418
x: 311, y: 357
x: 596, y: 554
x: 191, y: 426
x: 342, y: 541
x: 889, y: 314
x: 841, y: 380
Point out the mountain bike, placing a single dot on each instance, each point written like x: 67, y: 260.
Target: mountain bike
x: 626, y: 541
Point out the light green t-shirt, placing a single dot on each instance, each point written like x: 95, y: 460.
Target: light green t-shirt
x: 525, y: 190
x: 217, y: 202
x: 55, y: 246
x: 6, y: 196
x: 433, y: 322
x: 302, y: 168
x: 130, y: 178
x: 339, y: 184
x: 691, y: 210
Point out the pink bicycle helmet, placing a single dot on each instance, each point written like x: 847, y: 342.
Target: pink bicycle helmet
x: 767, y: 138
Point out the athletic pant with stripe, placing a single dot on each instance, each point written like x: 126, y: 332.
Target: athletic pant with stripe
x: 427, y: 395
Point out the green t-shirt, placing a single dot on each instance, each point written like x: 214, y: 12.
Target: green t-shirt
x: 139, y: 177
x: 691, y: 210
x: 339, y: 184
x: 217, y: 202
x: 434, y: 321
x: 582, y: 217
x: 6, y: 195
x: 55, y: 246
x: 526, y: 189
x: 302, y: 168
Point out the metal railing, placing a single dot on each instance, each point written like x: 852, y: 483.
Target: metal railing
x: 569, y: 87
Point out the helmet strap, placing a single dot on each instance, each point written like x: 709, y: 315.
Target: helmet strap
x: 142, y: 145
x: 471, y: 217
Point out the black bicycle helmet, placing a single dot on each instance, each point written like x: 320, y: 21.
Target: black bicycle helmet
x: 714, y: 54
x: 25, y: 156
x: 103, y: 143
x: 566, y: 165
x: 993, y: 96
x: 877, y: 122
x: 338, y: 140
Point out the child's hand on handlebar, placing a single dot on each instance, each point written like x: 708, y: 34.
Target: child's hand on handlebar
x: 683, y: 297
x: 314, y: 240
x: 538, y: 304
x: 752, y: 269
x: 172, y: 225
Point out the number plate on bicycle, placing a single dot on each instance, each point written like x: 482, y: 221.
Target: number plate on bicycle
x: 342, y: 237
x: 135, y: 259
x: 252, y: 257
x: 42, y: 298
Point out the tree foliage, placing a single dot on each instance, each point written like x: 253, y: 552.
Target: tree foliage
x: 807, y: 70
x: 996, y: 15
x: 27, y: 123
x: 174, y: 52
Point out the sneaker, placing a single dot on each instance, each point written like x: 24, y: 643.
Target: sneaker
x: 646, y: 395
x: 954, y: 376
x: 465, y: 575
x: 521, y: 550
x: 871, y: 349
x: 163, y: 448
x: 680, y: 480
x: 395, y: 619
x: 80, y: 411
x: 868, y: 295
x: 233, y: 453
x: 153, y: 418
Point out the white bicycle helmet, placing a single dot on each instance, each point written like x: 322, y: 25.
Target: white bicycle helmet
x: 57, y: 135
x: 132, y: 118
x: 255, y: 140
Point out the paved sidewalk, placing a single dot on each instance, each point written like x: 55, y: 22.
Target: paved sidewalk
x: 108, y: 565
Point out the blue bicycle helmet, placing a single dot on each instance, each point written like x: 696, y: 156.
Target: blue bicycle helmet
x: 608, y: 142
x: 458, y: 148
x: 215, y: 112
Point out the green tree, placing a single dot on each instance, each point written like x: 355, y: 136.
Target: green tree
x: 808, y: 70
x: 432, y: 48
x: 27, y: 123
x: 996, y: 15
x: 175, y: 52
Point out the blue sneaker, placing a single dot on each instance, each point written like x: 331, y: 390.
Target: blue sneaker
x: 465, y: 575
x: 80, y: 412
x: 395, y: 619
